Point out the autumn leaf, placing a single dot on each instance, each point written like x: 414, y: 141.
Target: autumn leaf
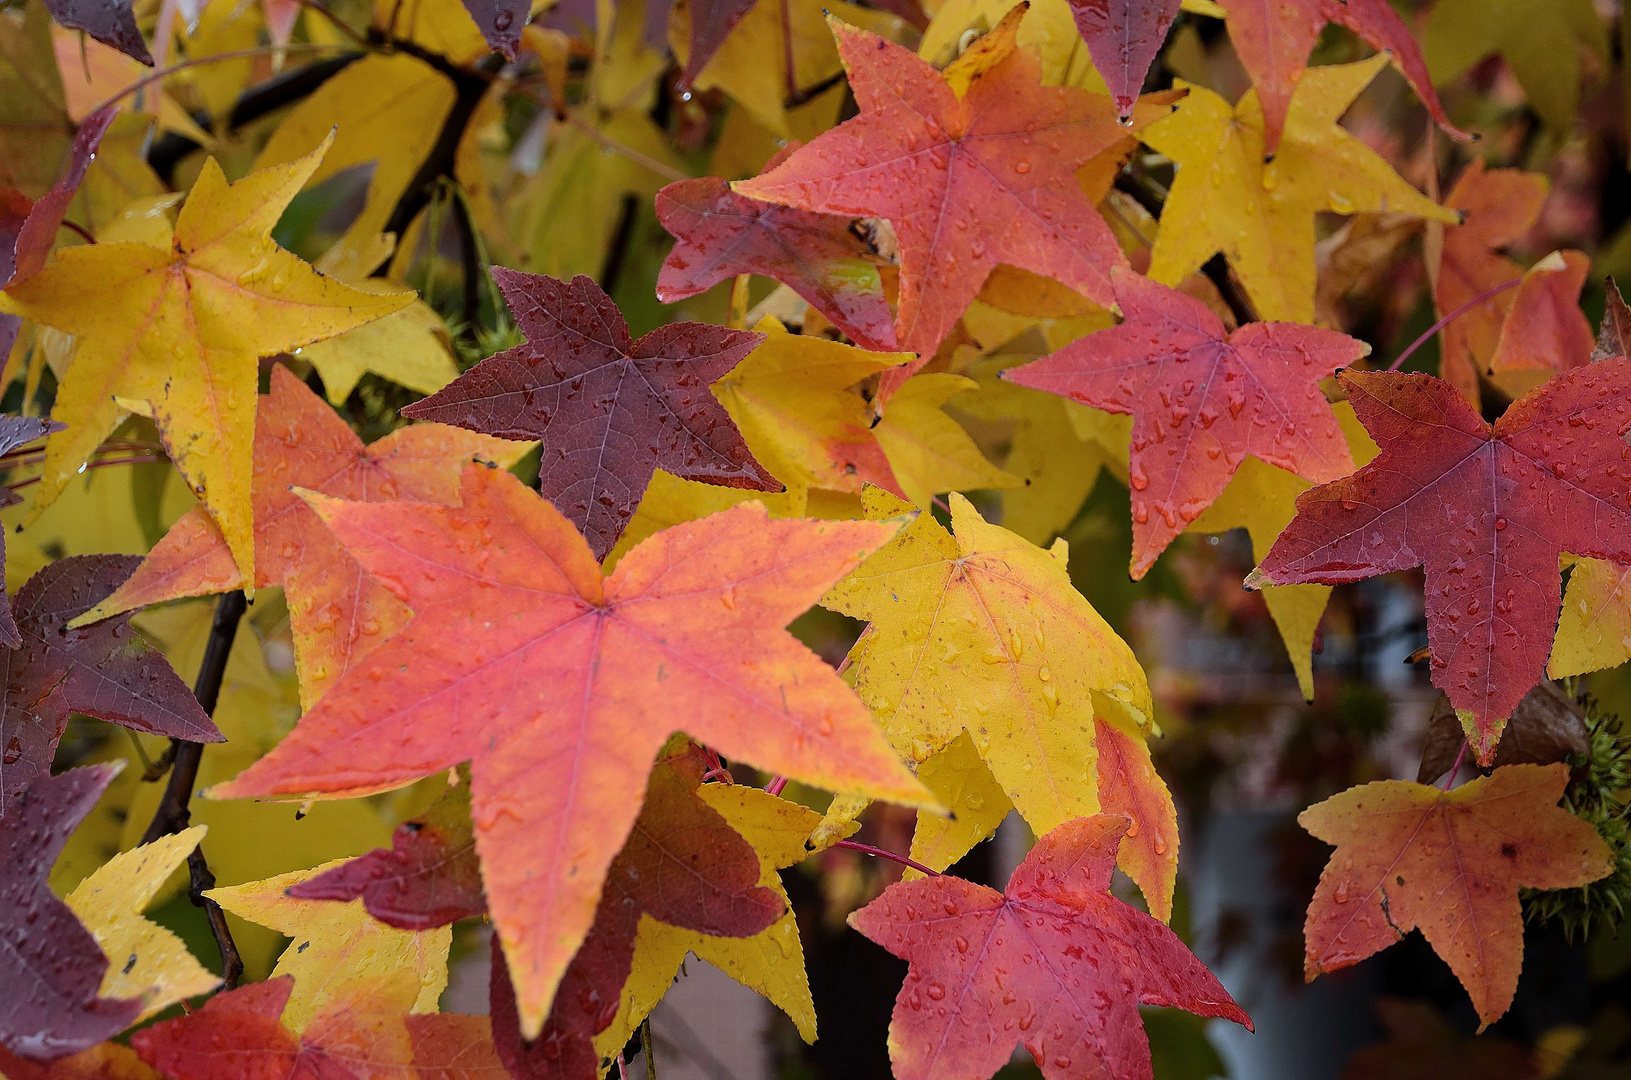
x: 147, y: 961
x: 338, y: 614
x: 104, y: 1061
x: 1273, y: 41
x: 15, y: 431
x: 711, y: 22
x: 238, y: 1035
x: 1594, y: 630
x: 608, y: 410
x: 1540, y: 40
x: 1486, y: 509
x: 1548, y: 725
x: 996, y: 160
x: 1497, y: 207
x: 1545, y: 332
x: 682, y: 865
x: 982, y: 631
x: 720, y: 234
x: 112, y: 22
x: 1055, y: 964
x: 338, y: 948
x: 28, y: 228
x: 1261, y: 216
x: 105, y: 671
x: 1202, y: 399
x: 670, y: 501
x: 685, y: 634
x: 770, y: 963
x: 428, y: 877
x: 928, y: 451
x: 1614, y: 335
x: 1124, y: 37
x: 51, y: 966
x: 1412, y: 857
x: 181, y: 328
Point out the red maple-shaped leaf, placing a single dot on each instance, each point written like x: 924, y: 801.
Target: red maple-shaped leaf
x: 1409, y: 856
x: 428, y: 877
x: 682, y: 865
x: 336, y: 612
x: 1202, y: 399
x: 1274, y: 38
x: 967, y: 181
x: 1057, y: 964
x: 609, y: 411
x: 50, y: 965
x: 558, y: 685
x: 103, y: 670
x: 721, y: 234
x: 1123, y: 37
x: 1486, y: 509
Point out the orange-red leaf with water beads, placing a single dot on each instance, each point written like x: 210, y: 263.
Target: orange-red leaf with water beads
x: 1274, y: 38
x: 1546, y: 331
x: 1409, y: 856
x: 336, y: 612
x: 428, y: 877
x: 521, y: 659
x: 682, y: 865
x: 967, y: 182
x: 1057, y: 964
x: 103, y: 670
x: 610, y: 411
x: 50, y: 964
x: 719, y: 234
x: 1201, y: 399
x: 1486, y: 509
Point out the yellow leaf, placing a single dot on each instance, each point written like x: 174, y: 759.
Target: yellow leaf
x: 1594, y: 631
x: 751, y: 68
x: 964, y: 784
x: 223, y: 26
x: 1539, y: 39
x: 35, y: 128
x: 386, y: 110
x: 1048, y: 27
x: 841, y: 820
x: 93, y: 72
x: 337, y: 945
x: 1261, y: 216
x: 183, y: 328
x: 793, y: 400
x: 982, y: 632
x: 144, y: 959
x: 928, y: 451
x: 669, y: 500
x: 439, y: 26
x: 1262, y: 500
x: 770, y: 963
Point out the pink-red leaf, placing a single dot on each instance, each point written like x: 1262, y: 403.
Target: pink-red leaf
x: 711, y: 23
x: 1123, y: 37
x: 609, y: 411
x: 103, y: 670
x: 967, y: 182
x: 50, y: 965
x: 1485, y: 509
x: 1202, y: 399
x: 682, y: 865
x: 720, y: 234
x: 1057, y: 964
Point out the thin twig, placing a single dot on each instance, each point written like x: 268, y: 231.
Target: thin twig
x: 1449, y: 777
x: 649, y: 1050
x: 174, y: 813
x: 777, y: 785
x: 1450, y: 318
x: 85, y: 233
x: 200, y: 61
x: 645, y: 161
x: 885, y: 853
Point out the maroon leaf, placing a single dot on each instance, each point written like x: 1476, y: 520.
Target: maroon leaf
x: 500, y: 22
x: 721, y: 234
x: 112, y: 22
x: 103, y: 670
x: 428, y: 877
x: 1123, y: 37
x: 609, y: 411
x: 711, y: 23
x: 50, y: 965
x: 1486, y: 509
x: 683, y: 865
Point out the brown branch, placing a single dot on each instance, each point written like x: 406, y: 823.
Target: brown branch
x: 174, y: 813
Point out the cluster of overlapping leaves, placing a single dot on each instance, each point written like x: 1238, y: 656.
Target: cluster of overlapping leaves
x: 542, y: 621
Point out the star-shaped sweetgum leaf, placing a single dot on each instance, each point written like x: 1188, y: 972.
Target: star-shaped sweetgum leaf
x: 50, y: 964
x: 973, y: 167
x: 1056, y: 964
x: 1409, y: 856
x: 719, y: 234
x: 1202, y: 399
x: 105, y: 670
x: 523, y: 660
x: 682, y: 865
x: 1485, y: 509
x: 610, y: 411
x: 336, y: 611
